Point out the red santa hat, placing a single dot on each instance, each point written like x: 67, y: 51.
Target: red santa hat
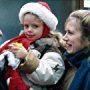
x: 42, y: 10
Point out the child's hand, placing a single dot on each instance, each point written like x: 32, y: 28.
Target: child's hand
x: 18, y: 50
x: 15, y: 46
x: 21, y: 53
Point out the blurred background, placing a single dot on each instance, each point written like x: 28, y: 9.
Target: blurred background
x: 9, y: 9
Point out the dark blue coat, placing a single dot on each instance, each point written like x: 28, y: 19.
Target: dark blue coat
x: 81, y: 60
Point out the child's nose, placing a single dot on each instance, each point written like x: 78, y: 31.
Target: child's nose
x: 30, y: 28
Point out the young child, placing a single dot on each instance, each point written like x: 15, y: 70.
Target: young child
x: 40, y: 58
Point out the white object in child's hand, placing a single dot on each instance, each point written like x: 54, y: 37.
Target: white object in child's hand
x: 12, y: 60
x: 2, y: 61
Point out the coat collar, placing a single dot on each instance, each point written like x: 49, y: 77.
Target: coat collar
x: 77, y: 58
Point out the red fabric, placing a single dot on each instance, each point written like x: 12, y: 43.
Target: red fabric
x: 45, y: 4
x: 45, y: 31
x: 20, y: 39
x: 16, y: 82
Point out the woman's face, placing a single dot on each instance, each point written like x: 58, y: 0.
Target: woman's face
x: 33, y: 26
x: 72, y: 37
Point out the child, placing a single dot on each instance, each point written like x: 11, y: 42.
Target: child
x: 40, y: 58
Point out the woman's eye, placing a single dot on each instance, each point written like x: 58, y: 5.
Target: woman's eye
x: 69, y: 32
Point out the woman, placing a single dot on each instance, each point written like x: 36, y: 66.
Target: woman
x: 77, y: 37
x: 38, y: 50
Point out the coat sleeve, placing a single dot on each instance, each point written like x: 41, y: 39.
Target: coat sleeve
x: 49, y: 71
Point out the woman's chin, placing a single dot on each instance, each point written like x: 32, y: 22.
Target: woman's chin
x: 70, y: 51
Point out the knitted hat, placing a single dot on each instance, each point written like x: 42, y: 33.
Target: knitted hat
x: 42, y: 10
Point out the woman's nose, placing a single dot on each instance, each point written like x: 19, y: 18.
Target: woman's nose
x: 65, y: 37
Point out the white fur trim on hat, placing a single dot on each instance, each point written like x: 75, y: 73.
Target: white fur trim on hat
x: 44, y: 14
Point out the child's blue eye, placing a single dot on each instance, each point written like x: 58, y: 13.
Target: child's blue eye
x: 34, y: 26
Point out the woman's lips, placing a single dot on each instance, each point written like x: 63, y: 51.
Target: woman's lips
x: 68, y: 45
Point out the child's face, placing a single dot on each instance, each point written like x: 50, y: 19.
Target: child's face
x: 33, y: 26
